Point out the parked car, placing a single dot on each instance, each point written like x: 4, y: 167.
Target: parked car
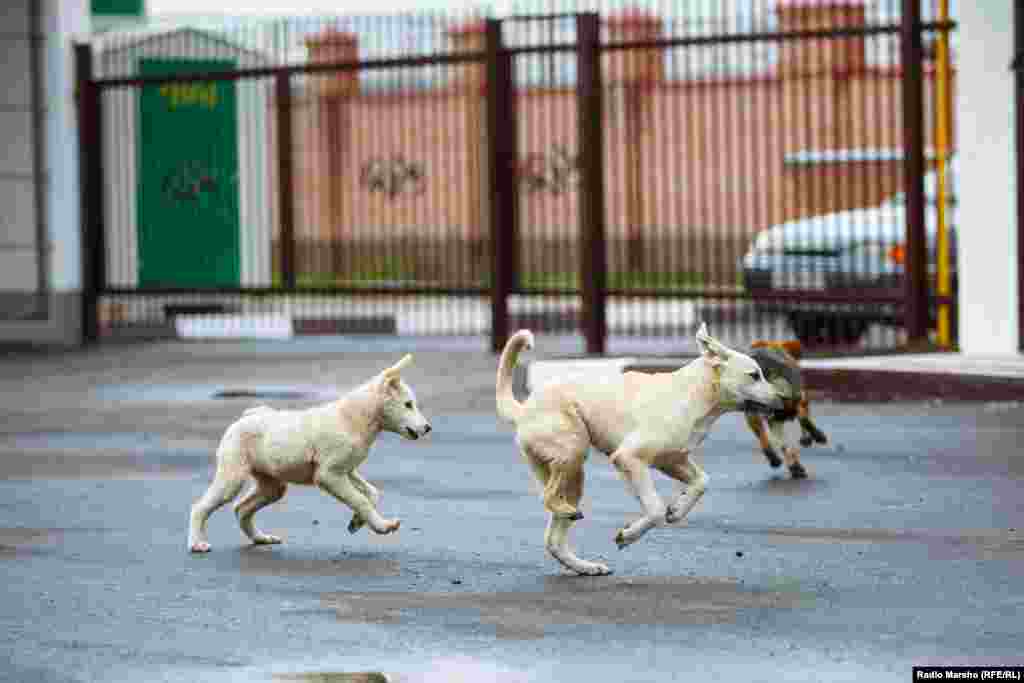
x: 856, y: 251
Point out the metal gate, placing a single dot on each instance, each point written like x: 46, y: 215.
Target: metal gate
x: 611, y: 178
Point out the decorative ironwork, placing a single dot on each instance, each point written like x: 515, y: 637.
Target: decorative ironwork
x: 393, y: 176
x: 188, y: 181
x: 557, y: 171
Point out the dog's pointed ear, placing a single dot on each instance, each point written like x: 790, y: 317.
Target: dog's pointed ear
x: 392, y: 375
x: 711, y: 349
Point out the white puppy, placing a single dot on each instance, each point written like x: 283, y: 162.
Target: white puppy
x: 322, y: 445
x: 640, y: 420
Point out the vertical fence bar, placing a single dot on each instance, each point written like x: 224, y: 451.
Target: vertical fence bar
x: 916, y: 270
x: 593, y: 257
x: 285, y: 175
x: 503, y: 203
x: 90, y: 165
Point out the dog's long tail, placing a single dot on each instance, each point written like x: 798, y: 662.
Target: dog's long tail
x: 508, y: 407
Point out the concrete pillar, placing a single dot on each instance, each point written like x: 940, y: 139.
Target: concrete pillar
x: 986, y: 218
x: 40, y: 185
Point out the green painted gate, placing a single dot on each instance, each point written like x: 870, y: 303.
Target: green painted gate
x: 188, y: 220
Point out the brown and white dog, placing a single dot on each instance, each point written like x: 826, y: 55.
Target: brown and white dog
x: 641, y: 421
x: 321, y: 446
x: 780, y: 363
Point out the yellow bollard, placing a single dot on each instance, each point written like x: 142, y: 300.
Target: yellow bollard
x: 943, y: 103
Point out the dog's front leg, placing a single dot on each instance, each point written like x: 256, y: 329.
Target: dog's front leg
x: 339, y: 484
x: 368, y: 490
x: 809, y: 431
x: 756, y: 424
x: 694, y: 482
x: 791, y: 456
x: 637, y: 474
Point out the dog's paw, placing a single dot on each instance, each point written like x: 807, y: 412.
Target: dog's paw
x: 806, y: 440
x: 674, y: 515
x: 773, y: 459
x: 797, y: 471
x: 266, y: 539
x: 819, y: 437
x: 592, y: 569
x: 389, y: 527
x: 625, y: 538
x: 199, y: 547
x: 356, y: 524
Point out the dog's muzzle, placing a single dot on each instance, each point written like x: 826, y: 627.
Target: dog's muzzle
x: 750, y: 406
x: 784, y: 414
x: 413, y: 434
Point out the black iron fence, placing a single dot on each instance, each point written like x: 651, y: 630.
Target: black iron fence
x: 608, y: 176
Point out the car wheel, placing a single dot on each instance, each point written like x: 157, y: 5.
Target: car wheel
x: 814, y: 329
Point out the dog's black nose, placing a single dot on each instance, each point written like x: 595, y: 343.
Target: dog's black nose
x: 412, y: 433
x: 427, y: 429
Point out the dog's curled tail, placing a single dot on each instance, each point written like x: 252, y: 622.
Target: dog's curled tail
x: 255, y: 409
x: 508, y: 407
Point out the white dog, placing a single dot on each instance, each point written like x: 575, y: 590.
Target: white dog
x: 322, y: 445
x: 640, y: 420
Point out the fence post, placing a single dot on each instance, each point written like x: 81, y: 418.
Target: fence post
x: 915, y: 268
x: 285, y: 172
x: 90, y: 183
x: 593, y: 257
x: 502, y: 150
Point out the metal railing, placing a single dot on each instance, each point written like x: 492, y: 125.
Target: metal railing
x: 609, y: 176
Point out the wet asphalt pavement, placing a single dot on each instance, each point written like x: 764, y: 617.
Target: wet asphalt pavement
x: 904, y: 547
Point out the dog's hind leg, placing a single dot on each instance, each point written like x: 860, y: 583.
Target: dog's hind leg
x: 694, y: 482
x: 227, y: 484
x: 267, y: 491
x: 559, y: 471
x: 756, y: 424
x: 556, y: 540
x: 562, y: 484
x: 809, y: 431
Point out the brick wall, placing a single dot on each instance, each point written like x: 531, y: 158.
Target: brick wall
x: 700, y: 162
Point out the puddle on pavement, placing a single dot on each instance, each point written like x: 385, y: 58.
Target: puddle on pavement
x: 975, y: 543
x: 407, y: 668
x: 173, y: 393
x: 17, y: 541
x: 101, y: 455
x: 269, y: 394
x: 787, y: 486
x: 337, y: 677
x: 267, y: 561
x: 572, y: 601
x: 93, y: 467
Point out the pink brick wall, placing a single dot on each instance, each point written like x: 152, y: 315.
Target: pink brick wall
x: 706, y: 155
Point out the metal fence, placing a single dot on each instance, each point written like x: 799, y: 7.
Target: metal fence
x: 613, y: 177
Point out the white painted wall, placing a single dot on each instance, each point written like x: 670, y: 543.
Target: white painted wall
x: 65, y: 21
x: 19, y: 248
x: 55, y: 143
x: 987, y: 220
